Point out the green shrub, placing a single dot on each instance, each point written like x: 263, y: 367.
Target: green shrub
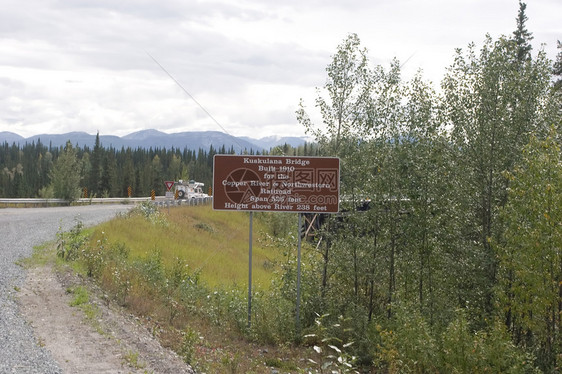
x: 406, y: 344
x: 190, y: 338
x: 331, y: 342
x: 273, y: 318
x: 466, y: 351
x: 69, y: 244
x: 150, y: 211
x: 93, y: 257
x: 204, y: 227
x: 282, y: 225
x: 119, y: 272
x: 152, y: 270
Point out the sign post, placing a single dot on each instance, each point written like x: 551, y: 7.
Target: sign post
x: 250, y: 272
x: 298, y: 303
x: 169, y: 185
x: 276, y: 184
x: 169, y: 193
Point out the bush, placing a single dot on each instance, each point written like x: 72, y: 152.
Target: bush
x: 46, y: 192
x: 151, y: 270
x: 332, y: 344
x: 190, y: 338
x: 273, y: 318
x: 151, y: 212
x: 280, y: 225
x: 117, y: 274
x: 465, y: 351
x: 407, y: 345
x: 69, y: 244
x: 93, y: 257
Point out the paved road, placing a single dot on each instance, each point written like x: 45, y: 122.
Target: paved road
x: 20, y: 231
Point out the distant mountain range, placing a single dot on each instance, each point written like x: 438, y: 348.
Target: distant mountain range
x: 157, y: 139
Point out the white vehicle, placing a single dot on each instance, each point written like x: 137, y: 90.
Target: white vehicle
x: 189, y: 189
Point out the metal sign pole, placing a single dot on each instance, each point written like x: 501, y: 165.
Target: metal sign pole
x: 250, y: 274
x: 297, y: 317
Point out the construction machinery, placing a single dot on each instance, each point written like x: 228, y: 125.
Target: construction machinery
x: 189, y: 189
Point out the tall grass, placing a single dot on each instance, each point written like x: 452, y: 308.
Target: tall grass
x: 188, y: 269
x: 212, y: 243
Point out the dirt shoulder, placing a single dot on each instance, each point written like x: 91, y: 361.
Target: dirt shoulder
x: 104, y: 340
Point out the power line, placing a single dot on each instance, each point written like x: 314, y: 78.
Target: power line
x: 408, y: 59
x: 196, y: 102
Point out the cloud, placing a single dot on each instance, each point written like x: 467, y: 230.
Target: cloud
x: 81, y: 64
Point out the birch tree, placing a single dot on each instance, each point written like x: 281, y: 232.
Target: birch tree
x: 530, y: 256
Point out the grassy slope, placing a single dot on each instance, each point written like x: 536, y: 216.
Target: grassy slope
x: 215, y: 242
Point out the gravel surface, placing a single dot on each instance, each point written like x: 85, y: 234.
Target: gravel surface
x: 20, y: 231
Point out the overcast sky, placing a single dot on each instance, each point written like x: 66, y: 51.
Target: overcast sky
x: 82, y: 65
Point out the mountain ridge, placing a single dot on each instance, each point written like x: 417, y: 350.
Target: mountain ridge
x: 152, y: 138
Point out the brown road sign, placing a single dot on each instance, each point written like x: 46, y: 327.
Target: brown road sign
x: 276, y: 183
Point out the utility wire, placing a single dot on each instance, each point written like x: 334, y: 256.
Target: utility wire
x: 196, y: 102
x: 408, y: 59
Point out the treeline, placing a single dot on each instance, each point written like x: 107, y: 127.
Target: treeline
x: 456, y: 265
x: 37, y: 170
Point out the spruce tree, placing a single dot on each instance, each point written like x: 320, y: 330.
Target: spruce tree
x: 95, y: 171
x: 106, y: 180
x: 522, y: 36
x: 557, y: 69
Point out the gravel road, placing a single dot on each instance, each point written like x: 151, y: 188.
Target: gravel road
x: 20, y: 231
